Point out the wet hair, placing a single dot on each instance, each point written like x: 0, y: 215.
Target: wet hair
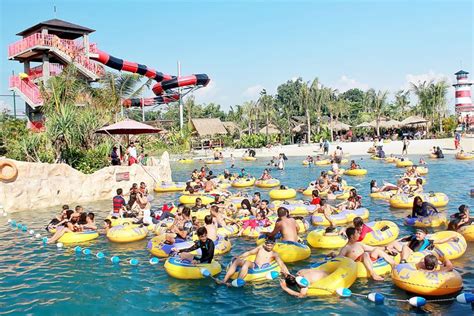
x: 430, y: 262
x: 198, y: 200
x: 282, y: 212
x: 65, y: 207
x: 108, y: 221
x: 134, y: 186
x: 91, y: 215
x: 330, y: 229
x: 142, y: 183
x: 372, y: 183
x: 350, y: 232
x: 201, y: 231
x: 119, y: 191
x: 322, y: 202
x: 186, y: 211
x: 69, y: 213
x: 257, y: 194
x: 358, y: 222
x: 246, y: 203
x: 270, y: 240
x: 463, y: 208
x: 78, y: 208
x: 453, y: 224
x: 315, y: 193
x: 291, y: 281
x: 208, y: 219
x: 422, y: 229
x: 419, y: 181
x: 265, y: 201
x: 83, y: 218
x: 415, y: 202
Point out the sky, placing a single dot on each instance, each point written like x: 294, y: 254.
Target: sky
x: 245, y: 46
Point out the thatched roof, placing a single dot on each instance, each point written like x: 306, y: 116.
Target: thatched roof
x: 208, y: 127
x: 340, y: 126
x: 231, y: 127
x: 365, y: 125
x: 413, y: 120
x: 389, y: 124
x: 272, y: 129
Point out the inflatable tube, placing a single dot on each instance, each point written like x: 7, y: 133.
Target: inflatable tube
x: 243, y: 183
x: 404, y: 163
x: 127, y: 233
x: 376, y: 158
x: 296, y: 208
x: 355, y: 172
x: 221, y: 246
x: 391, y: 159
x: 412, y: 181
x: 229, y: 230
x: 8, y: 171
x: 434, y: 220
x: 322, y: 162
x: 342, y: 274
x: 340, y: 171
x: 271, y: 183
x: 467, y: 232
x: 185, y: 270
x: 430, y: 283
x: 159, y: 248
x: 170, y: 187
x: 406, y: 201
x: 72, y: 238
x: 255, y: 233
x: 277, y: 194
x: 191, y: 199
x: 317, y: 239
x: 255, y: 274
x: 384, y: 195
x: 464, y: 157
x: 200, y: 214
x: 289, y: 251
x: 344, y: 161
x: 305, y: 163
x: 371, y: 150
x: 434, y: 156
x: 384, y: 232
x: 213, y: 161
x: 186, y: 161
x: 381, y: 267
x: 422, y: 170
x: 341, y: 218
x: 249, y: 158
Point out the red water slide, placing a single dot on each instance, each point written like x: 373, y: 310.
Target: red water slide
x: 166, y: 86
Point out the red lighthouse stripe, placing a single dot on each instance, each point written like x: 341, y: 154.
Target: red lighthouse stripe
x: 465, y: 93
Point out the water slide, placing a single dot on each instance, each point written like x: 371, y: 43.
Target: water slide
x: 166, y: 87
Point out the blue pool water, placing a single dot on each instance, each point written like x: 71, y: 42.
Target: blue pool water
x: 44, y: 280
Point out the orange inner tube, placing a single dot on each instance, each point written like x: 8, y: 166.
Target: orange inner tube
x: 8, y: 171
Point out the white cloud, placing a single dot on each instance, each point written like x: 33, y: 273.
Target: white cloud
x: 345, y: 83
x: 207, y: 94
x: 253, y: 92
x: 431, y: 75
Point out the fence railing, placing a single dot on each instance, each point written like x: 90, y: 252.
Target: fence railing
x: 28, y: 88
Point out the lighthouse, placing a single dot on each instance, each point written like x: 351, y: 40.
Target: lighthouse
x: 463, y: 105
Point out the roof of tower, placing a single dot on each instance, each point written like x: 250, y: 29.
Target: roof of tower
x: 56, y: 26
x: 461, y: 72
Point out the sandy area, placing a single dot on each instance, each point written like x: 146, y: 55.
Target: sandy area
x: 416, y: 147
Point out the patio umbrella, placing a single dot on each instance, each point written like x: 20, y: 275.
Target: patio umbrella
x: 339, y: 126
x: 128, y: 127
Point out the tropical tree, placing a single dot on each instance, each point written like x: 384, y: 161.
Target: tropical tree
x: 438, y: 95
x: 266, y: 104
x: 402, y: 102
x: 305, y: 102
x: 379, y: 106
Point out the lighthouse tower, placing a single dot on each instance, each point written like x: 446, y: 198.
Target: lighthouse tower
x: 463, y: 105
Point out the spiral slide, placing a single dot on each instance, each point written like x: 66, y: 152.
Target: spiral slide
x: 165, y: 83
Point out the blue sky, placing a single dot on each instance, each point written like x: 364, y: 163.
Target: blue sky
x: 245, y: 46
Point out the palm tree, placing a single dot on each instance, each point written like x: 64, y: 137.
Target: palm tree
x: 266, y: 103
x: 250, y: 114
x: 305, y: 102
x: 438, y: 96
x: 379, y: 105
x: 402, y: 102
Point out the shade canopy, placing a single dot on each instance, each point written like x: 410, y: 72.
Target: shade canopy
x: 365, y: 125
x: 128, y: 127
x: 339, y: 126
x: 413, y: 120
x: 272, y: 129
x: 389, y: 124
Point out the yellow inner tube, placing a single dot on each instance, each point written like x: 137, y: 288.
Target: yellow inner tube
x: 340, y: 218
x: 404, y: 163
x: 213, y: 162
x: 256, y: 274
x: 127, y: 233
x: 434, y: 220
x: 317, y: 239
x: 249, y: 158
x: 384, y: 232
x: 464, y: 157
x: 322, y: 162
x: 271, y: 183
x: 342, y: 273
x: 185, y: 270
x: 8, y: 171
x: 380, y: 266
x: 289, y: 251
x: 356, y: 172
x: 243, y: 183
x: 278, y: 194
x: 186, y: 161
x: 78, y: 237
x: 191, y: 199
x: 406, y: 201
x: 170, y: 187
x: 385, y: 195
x: 467, y: 232
x: 434, y: 283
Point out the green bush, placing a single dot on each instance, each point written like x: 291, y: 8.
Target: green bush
x: 256, y: 140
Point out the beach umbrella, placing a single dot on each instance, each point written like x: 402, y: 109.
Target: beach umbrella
x: 128, y: 127
x: 413, y: 120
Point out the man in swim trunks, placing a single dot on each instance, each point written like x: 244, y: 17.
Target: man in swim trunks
x: 264, y: 255
x: 211, y: 228
x: 290, y: 282
x: 204, y: 243
x: 286, y: 226
x: 357, y: 251
x: 430, y: 262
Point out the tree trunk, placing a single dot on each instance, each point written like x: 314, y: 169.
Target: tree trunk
x: 331, y: 127
x: 308, y: 122
x: 266, y: 129
x: 289, y: 130
x: 377, y: 122
x: 440, y: 122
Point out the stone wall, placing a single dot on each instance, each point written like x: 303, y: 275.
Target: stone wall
x: 42, y: 185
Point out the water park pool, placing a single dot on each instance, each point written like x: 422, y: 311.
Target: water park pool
x: 37, y: 279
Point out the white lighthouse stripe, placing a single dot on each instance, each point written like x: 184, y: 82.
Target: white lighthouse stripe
x: 463, y: 100
x: 462, y: 88
x: 463, y: 80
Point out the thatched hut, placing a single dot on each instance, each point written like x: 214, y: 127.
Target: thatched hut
x: 207, y: 133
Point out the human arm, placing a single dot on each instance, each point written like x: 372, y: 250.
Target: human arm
x: 275, y: 231
x: 280, y: 262
x: 447, y: 265
x: 443, y: 240
x: 192, y: 248
x: 302, y: 293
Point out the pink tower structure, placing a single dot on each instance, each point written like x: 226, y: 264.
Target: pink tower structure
x: 463, y: 106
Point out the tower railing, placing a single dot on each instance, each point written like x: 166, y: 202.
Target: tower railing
x: 27, y: 88
x: 73, y: 49
x: 37, y: 72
